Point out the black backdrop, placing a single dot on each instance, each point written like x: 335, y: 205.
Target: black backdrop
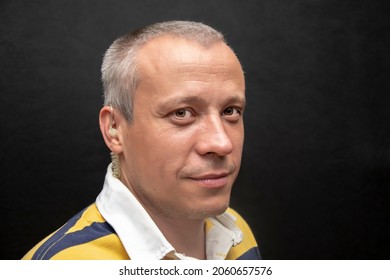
x: 314, y: 183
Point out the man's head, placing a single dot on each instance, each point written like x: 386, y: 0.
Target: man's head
x: 178, y: 94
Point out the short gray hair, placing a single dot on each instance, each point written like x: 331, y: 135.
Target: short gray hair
x: 119, y: 67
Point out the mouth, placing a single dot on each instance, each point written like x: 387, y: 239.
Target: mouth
x: 212, y: 180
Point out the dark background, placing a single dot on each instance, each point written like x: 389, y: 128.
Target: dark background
x: 314, y: 183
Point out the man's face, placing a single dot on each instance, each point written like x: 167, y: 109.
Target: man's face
x: 182, y: 150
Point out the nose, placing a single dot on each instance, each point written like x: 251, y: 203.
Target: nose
x: 214, y: 138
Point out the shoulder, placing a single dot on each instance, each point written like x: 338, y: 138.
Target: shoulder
x: 248, y: 247
x: 85, y: 236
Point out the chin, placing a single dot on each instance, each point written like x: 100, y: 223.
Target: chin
x: 208, y: 211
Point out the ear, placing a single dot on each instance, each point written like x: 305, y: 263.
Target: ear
x: 110, y: 121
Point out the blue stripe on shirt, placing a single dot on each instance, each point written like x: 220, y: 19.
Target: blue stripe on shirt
x: 251, y: 254
x: 62, y: 240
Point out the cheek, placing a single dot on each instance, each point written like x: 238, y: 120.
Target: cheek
x: 236, y: 135
x: 162, y: 153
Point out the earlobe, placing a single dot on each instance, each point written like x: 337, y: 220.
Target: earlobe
x: 108, y: 121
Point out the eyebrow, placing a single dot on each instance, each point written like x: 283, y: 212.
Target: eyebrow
x: 194, y: 99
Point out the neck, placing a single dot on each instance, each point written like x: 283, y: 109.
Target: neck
x: 187, y: 236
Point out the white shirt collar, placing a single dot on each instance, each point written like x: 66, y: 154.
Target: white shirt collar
x: 140, y: 236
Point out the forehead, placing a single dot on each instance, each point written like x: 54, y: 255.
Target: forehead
x: 172, y: 70
x: 170, y: 55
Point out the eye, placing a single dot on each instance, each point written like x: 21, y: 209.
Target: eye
x: 182, y: 116
x: 232, y: 112
x: 183, y: 113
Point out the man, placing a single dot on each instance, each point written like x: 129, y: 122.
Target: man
x: 173, y: 120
